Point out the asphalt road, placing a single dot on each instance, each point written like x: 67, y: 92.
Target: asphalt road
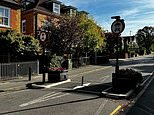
x: 61, y: 100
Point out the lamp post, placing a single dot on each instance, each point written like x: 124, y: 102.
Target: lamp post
x: 117, y: 28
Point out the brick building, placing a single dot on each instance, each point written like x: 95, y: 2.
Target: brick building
x: 35, y: 13
x: 10, y: 15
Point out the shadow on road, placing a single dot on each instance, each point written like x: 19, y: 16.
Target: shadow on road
x: 46, y: 106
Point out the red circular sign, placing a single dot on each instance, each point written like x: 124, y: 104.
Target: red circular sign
x: 118, y: 26
x: 43, y: 36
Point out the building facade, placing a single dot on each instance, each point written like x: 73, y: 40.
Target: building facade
x: 35, y: 13
x: 10, y: 15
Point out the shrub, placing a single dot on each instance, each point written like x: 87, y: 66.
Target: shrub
x: 56, y: 61
x: 126, y: 79
x: 131, y: 74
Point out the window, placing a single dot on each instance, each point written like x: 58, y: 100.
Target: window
x: 56, y: 8
x: 23, y: 26
x: 4, y: 16
x: 72, y: 12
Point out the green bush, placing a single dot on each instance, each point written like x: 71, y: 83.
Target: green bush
x: 56, y: 61
x: 20, y: 47
x: 126, y: 79
x: 132, y: 75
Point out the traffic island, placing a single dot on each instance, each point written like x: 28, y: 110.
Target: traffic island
x: 56, y: 76
x: 40, y: 85
x: 127, y: 91
x: 126, y: 79
x: 119, y: 89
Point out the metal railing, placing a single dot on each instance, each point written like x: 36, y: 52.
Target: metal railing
x: 17, y: 70
x: 82, y: 61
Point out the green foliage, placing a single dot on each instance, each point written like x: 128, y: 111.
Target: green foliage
x: 131, y: 74
x: 29, y: 44
x: 110, y: 42
x: 17, y: 44
x: 56, y: 61
x: 133, y: 46
x: 126, y: 79
x: 77, y: 32
x: 92, y: 37
x: 145, y: 38
x: 63, y: 35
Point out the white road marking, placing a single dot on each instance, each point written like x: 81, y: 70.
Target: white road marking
x: 86, y: 84
x: 81, y: 86
x: 2, y: 83
x: 46, y: 97
x: 104, y: 78
x: 98, y: 112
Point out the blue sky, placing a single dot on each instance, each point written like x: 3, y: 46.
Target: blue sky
x: 136, y: 13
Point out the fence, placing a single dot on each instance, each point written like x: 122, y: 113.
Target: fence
x: 77, y: 62
x: 16, y: 70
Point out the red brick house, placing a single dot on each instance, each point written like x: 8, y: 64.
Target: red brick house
x: 36, y: 12
x: 10, y: 15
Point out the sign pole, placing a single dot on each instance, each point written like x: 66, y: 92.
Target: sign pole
x: 117, y: 55
x: 117, y: 27
x: 43, y: 38
x: 43, y: 80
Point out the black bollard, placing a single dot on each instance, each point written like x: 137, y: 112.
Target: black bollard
x: 82, y: 81
x: 30, y: 73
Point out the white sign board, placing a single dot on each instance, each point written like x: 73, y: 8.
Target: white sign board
x: 43, y: 36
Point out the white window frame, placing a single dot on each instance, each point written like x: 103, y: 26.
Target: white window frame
x: 72, y: 12
x: 56, y: 8
x: 3, y: 16
x: 23, y: 26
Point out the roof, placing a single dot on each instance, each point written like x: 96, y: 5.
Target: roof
x: 68, y: 7
x: 53, y: 1
x: 42, y: 5
x: 10, y: 3
x: 84, y: 12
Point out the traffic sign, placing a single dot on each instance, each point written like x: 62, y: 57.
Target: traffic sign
x: 118, y: 26
x: 43, y: 36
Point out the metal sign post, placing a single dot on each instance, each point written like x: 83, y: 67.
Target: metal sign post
x: 43, y: 38
x: 117, y: 28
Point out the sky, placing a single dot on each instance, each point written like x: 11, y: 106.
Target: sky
x: 136, y: 13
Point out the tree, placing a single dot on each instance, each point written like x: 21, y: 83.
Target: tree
x: 77, y: 32
x: 133, y: 47
x: 145, y: 38
x: 63, y: 34
x: 92, y: 37
x: 18, y: 45
x: 110, y: 43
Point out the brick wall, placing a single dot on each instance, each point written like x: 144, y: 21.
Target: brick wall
x: 30, y: 22
x: 15, y: 20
